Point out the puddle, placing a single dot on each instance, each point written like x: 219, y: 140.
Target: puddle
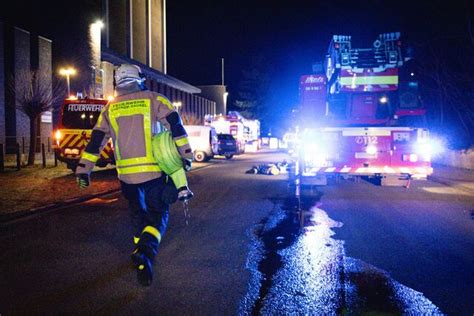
x: 308, y: 273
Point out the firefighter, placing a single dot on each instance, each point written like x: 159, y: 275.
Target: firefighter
x: 132, y: 120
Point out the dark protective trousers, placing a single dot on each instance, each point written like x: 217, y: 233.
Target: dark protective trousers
x: 148, y: 213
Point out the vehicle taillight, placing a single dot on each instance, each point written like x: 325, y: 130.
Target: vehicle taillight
x: 58, y: 135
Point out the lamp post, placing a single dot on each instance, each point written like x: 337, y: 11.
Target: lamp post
x: 67, y: 72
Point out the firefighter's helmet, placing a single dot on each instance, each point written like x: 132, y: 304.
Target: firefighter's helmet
x: 128, y: 73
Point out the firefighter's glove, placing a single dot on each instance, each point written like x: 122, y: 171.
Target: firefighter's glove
x: 83, y: 180
x: 187, y: 164
x: 170, y: 193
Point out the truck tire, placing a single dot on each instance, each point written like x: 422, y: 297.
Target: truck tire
x: 200, y: 156
x: 228, y: 157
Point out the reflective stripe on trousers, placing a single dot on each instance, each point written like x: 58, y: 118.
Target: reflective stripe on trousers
x: 148, y: 214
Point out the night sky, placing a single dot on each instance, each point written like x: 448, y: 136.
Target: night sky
x: 289, y: 35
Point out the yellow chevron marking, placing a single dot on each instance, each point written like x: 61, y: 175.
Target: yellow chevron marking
x: 75, y: 141
x: 66, y: 140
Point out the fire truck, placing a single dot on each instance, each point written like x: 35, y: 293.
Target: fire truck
x: 251, y: 135
x: 77, y: 117
x: 361, y: 115
x: 245, y: 131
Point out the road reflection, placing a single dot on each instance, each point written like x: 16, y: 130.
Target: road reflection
x: 312, y: 275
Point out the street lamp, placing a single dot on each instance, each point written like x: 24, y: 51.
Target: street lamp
x: 67, y: 72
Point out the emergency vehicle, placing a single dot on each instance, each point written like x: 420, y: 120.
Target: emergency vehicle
x: 361, y: 115
x: 252, y: 135
x: 77, y: 117
x: 203, y: 141
x: 232, y: 124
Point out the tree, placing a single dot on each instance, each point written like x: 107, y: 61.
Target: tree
x: 446, y: 68
x: 190, y: 119
x: 35, y: 94
x: 254, y: 88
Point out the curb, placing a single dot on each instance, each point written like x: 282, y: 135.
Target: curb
x: 8, y: 218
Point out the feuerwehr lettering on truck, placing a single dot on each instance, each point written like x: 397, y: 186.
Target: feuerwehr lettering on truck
x: 85, y: 107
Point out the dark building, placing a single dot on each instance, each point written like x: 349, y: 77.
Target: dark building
x: 135, y: 32
x: 20, y: 54
x: 219, y: 94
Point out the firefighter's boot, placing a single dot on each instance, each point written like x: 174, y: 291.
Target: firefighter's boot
x: 144, y: 269
x: 134, y: 255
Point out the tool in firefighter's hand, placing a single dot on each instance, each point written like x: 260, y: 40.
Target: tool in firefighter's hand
x: 187, y: 215
x: 83, y: 180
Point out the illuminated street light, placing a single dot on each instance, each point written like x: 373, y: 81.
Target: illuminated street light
x: 98, y: 24
x: 67, y: 72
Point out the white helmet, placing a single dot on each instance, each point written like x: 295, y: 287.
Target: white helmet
x: 127, y: 74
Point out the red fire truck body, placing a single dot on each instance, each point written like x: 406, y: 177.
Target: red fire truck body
x: 77, y: 117
x: 357, y: 114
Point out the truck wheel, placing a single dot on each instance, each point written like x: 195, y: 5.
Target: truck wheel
x: 200, y: 156
x: 228, y: 157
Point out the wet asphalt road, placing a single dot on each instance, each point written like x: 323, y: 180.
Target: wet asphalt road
x: 243, y: 253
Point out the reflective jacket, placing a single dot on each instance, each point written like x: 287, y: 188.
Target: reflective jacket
x: 131, y: 120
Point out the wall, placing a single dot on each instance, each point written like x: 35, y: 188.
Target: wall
x: 157, y: 45
x: 20, y: 52
x: 218, y: 94
x: 22, y: 69
x: 457, y: 158
x: 117, y: 27
x: 45, y: 68
x: 2, y: 83
x: 139, y: 31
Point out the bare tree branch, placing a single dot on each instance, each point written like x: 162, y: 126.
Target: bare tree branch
x: 35, y: 94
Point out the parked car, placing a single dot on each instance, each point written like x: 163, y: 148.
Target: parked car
x: 203, y: 141
x: 226, y: 145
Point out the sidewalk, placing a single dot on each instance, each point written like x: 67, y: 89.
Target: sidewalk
x: 34, y: 188
x: 462, y: 179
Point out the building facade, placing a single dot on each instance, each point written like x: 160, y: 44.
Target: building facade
x: 20, y: 54
x: 135, y: 32
x: 219, y: 94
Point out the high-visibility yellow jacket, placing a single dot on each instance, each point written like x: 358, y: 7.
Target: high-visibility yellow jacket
x: 131, y: 120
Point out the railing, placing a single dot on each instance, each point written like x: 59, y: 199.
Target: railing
x: 14, y: 151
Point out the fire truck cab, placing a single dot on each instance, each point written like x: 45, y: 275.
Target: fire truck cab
x: 361, y: 114
x: 77, y: 117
